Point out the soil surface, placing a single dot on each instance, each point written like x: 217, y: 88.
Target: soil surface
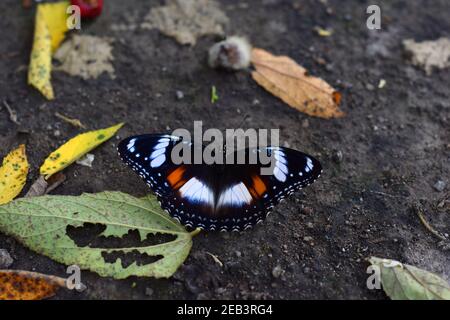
x: 380, y: 161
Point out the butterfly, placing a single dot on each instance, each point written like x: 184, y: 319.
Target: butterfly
x: 225, y: 197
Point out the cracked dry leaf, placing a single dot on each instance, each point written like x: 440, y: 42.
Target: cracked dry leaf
x: 75, y: 148
x: 187, y: 20
x: 43, y: 224
x: 13, y: 174
x: 27, y: 285
x: 284, y: 78
x: 86, y: 56
x: 429, y: 54
x: 406, y: 282
x: 49, y: 32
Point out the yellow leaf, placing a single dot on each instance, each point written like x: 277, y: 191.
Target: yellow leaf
x: 323, y: 32
x: 50, y: 29
x: 75, y: 148
x: 13, y: 174
x: 284, y: 78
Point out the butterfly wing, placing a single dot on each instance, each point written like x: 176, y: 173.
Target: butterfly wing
x: 184, y: 190
x: 244, y: 196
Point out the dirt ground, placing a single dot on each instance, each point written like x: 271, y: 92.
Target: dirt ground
x: 379, y: 161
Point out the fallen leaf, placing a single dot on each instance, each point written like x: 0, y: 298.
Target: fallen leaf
x: 42, y: 186
x: 86, y: 57
x: 406, y: 282
x: 75, y: 148
x: 13, y: 174
x: 323, y: 32
x: 46, y: 225
x: 429, y: 54
x: 50, y: 29
x: 27, y: 285
x: 187, y: 20
x: 284, y: 78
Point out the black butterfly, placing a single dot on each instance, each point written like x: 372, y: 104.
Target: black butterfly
x: 226, y: 197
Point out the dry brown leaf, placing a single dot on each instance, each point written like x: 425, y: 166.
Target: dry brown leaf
x: 27, y: 285
x: 187, y: 20
x: 284, y: 78
x: 86, y: 56
x: 41, y: 186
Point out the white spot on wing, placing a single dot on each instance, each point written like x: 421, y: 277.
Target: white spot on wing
x: 158, y: 161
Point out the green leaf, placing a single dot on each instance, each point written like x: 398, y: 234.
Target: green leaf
x: 42, y: 224
x: 406, y: 282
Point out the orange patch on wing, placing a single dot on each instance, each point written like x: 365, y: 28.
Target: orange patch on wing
x: 175, y: 178
x: 259, y: 187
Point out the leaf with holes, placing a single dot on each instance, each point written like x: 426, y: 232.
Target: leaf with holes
x: 27, y: 285
x: 47, y: 225
x: 75, y: 148
x: 13, y: 174
x: 406, y: 282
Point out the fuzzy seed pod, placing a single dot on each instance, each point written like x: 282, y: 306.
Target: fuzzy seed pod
x: 234, y: 53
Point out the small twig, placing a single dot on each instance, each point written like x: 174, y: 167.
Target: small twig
x: 419, y: 213
x: 12, y: 113
x: 75, y: 122
x: 215, y: 258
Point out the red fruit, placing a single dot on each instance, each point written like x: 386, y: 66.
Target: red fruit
x: 89, y: 9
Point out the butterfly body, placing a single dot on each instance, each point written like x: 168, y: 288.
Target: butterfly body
x: 226, y: 197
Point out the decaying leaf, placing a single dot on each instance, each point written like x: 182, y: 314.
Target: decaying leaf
x: 187, y: 20
x: 429, y: 54
x: 42, y: 186
x: 284, y: 78
x: 27, y: 285
x: 50, y: 29
x: 86, y: 56
x: 405, y: 282
x: 75, y: 148
x: 44, y: 224
x: 13, y: 174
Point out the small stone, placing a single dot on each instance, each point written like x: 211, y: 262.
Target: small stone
x: 306, y: 270
x: 338, y: 156
x: 277, y: 271
x: 5, y: 259
x: 57, y: 133
x: 149, y: 292
x: 238, y: 253
x: 439, y: 185
x: 370, y: 87
x: 308, y: 239
x: 179, y: 94
x: 310, y: 225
